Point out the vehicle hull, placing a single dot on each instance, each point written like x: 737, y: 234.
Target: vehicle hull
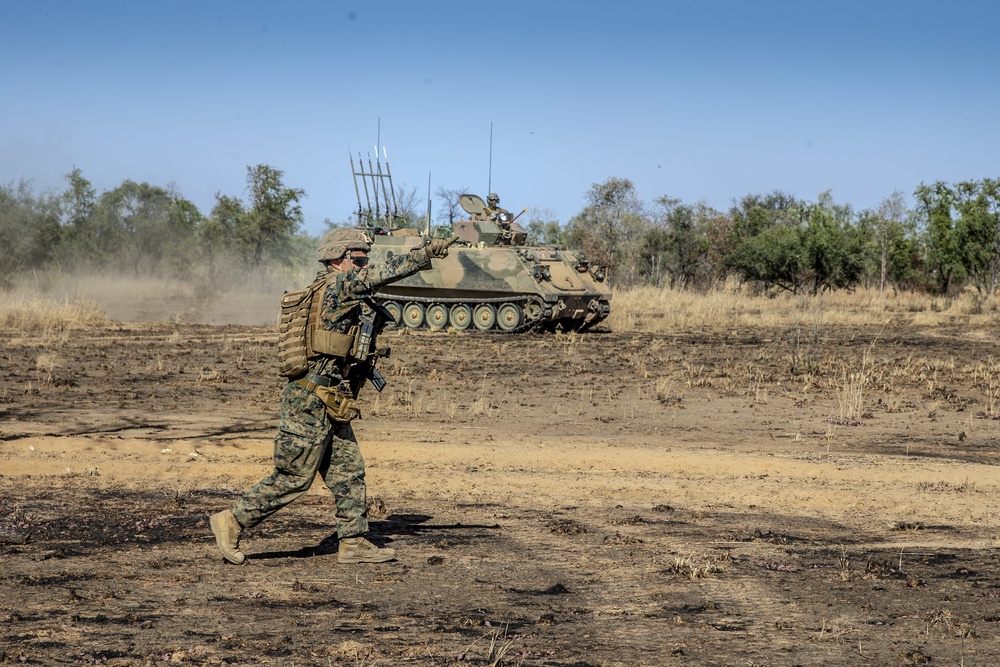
x: 495, y: 288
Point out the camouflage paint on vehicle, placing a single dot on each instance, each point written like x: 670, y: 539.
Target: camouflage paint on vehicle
x: 483, y: 285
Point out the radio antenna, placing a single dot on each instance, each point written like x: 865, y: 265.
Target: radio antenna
x: 357, y: 192
x: 489, y: 181
x: 427, y: 228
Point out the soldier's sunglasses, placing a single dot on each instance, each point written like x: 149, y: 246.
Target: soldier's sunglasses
x: 360, y: 261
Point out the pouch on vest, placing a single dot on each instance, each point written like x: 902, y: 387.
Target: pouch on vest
x: 293, y: 329
x: 340, y: 406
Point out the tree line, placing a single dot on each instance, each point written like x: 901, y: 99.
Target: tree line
x: 146, y: 229
x: 948, y: 241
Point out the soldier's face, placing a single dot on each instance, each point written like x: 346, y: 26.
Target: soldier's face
x: 355, y: 259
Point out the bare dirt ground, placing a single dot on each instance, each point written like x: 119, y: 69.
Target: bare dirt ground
x: 699, y: 498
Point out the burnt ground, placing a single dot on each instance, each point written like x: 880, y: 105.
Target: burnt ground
x: 699, y: 498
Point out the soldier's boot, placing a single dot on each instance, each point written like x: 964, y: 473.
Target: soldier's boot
x: 360, y: 550
x: 227, y: 536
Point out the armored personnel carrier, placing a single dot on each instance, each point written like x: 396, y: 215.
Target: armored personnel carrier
x: 490, y: 280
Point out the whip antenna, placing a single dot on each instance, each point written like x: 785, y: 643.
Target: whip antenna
x: 427, y: 227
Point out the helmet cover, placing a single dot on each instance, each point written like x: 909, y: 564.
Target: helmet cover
x: 339, y: 242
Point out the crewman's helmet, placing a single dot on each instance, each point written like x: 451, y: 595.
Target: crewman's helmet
x: 339, y: 242
x: 494, y: 198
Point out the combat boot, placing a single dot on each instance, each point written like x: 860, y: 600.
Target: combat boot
x: 360, y: 550
x: 227, y: 536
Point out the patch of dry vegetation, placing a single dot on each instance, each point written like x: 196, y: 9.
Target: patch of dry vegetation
x: 652, y: 309
x: 26, y: 313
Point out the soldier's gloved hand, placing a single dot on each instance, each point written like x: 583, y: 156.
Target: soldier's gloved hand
x: 438, y: 248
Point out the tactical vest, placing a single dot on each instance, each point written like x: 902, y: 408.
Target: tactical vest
x: 300, y: 340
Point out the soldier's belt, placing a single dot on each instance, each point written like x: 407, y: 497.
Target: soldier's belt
x: 311, y: 381
x: 321, y: 380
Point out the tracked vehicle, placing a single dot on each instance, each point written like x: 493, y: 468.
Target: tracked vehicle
x: 490, y: 281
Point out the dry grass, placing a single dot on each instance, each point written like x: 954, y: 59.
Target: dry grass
x: 39, y: 314
x: 93, y: 300
x: 648, y: 309
x: 46, y: 365
x: 853, y: 390
x: 692, y: 567
x: 987, y: 376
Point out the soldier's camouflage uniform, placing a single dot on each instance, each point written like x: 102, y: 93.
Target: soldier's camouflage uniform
x: 308, y: 441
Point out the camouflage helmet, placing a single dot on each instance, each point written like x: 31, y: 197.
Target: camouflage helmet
x: 339, y: 242
x: 494, y: 198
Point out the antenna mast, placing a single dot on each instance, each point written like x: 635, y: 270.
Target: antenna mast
x: 427, y: 227
x: 489, y: 181
x: 379, y: 192
x: 378, y: 188
x: 357, y: 193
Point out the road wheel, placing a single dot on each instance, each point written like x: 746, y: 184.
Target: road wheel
x: 509, y: 317
x: 394, y: 310
x: 460, y: 317
x: 437, y: 317
x: 484, y: 316
x: 413, y: 315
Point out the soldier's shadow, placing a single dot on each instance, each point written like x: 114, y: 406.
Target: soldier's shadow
x: 416, y: 524
x: 380, y: 533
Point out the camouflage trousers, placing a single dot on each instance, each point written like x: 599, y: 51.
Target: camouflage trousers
x: 308, y: 442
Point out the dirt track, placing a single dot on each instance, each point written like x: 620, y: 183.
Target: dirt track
x: 605, y: 499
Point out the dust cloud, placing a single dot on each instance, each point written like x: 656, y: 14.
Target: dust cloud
x: 125, y: 298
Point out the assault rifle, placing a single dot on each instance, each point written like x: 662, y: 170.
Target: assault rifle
x: 374, y: 318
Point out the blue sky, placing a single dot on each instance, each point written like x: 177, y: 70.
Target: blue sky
x: 704, y: 101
